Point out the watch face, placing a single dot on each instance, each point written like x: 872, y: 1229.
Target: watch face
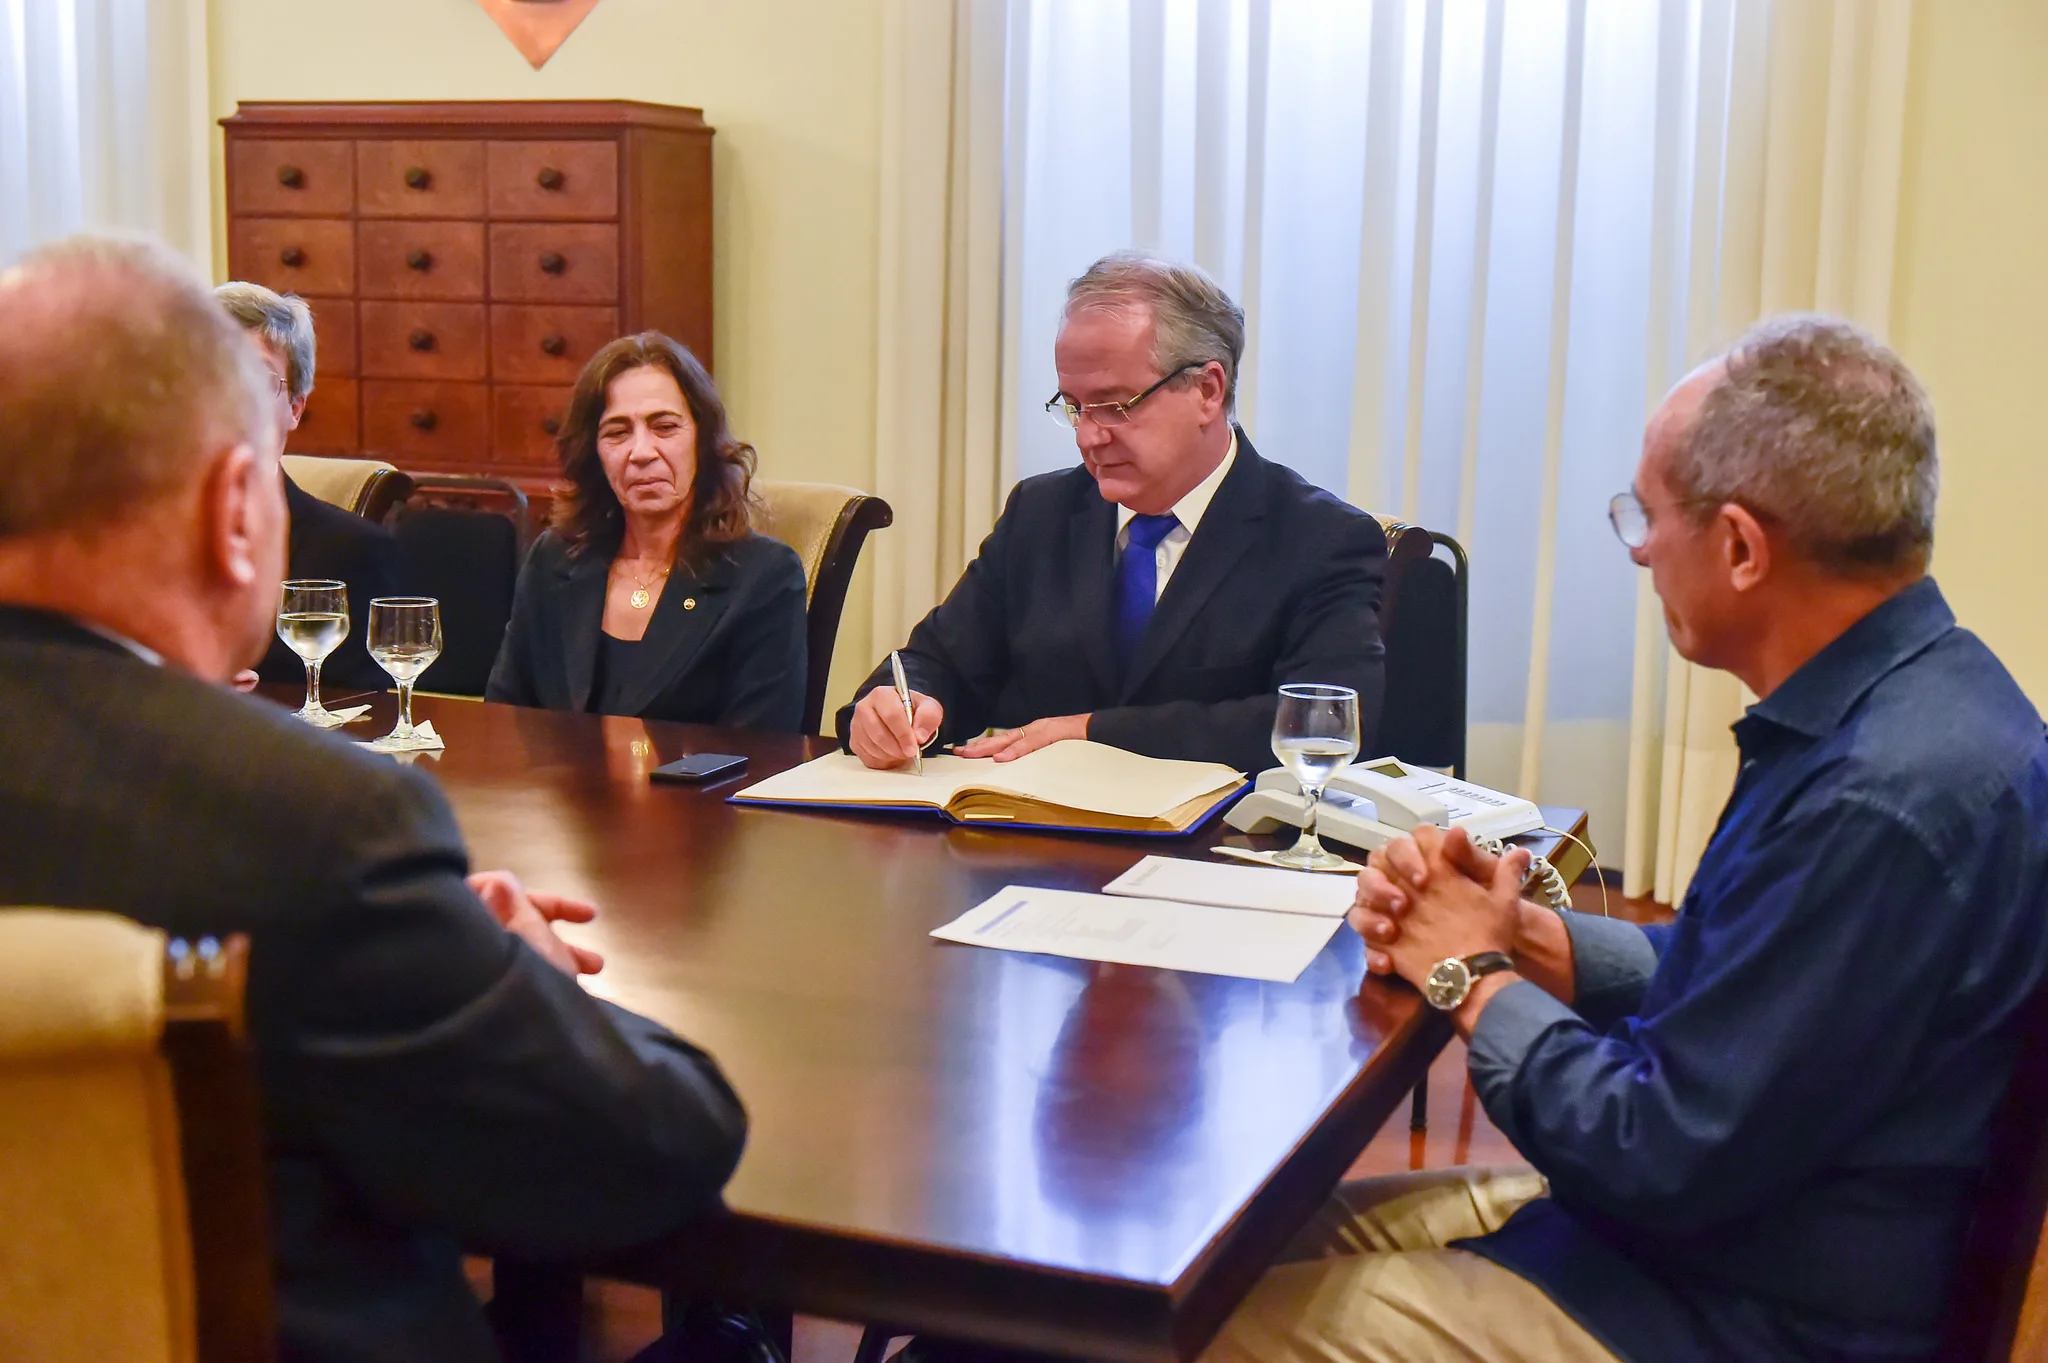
x: 1447, y: 984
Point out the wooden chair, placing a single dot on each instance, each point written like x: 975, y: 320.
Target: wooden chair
x: 463, y: 538
x: 369, y: 487
x: 131, y: 1153
x: 826, y: 525
x: 2000, y: 1313
x: 1423, y: 608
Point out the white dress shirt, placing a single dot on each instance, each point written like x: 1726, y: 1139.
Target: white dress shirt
x: 1188, y: 511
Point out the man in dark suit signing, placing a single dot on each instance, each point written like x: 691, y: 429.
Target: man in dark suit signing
x: 433, y: 1075
x: 1156, y: 597
x: 327, y: 541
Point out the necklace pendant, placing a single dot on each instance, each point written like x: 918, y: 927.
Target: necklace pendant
x: 639, y: 598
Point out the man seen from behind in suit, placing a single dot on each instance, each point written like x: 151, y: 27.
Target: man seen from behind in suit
x: 327, y: 541
x: 1156, y: 597
x: 434, y: 1078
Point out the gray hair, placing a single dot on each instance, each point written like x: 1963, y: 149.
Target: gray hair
x: 1817, y: 426
x: 1193, y: 320
x: 119, y: 377
x: 284, y: 320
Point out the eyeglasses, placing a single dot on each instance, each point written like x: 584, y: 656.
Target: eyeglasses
x: 279, y: 386
x: 1631, y: 519
x: 1106, y: 413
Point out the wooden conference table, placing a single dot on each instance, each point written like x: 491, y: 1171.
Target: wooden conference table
x: 1047, y: 1154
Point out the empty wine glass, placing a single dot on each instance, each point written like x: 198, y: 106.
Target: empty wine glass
x: 1315, y: 733
x: 312, y: 619
x: 405, y: 638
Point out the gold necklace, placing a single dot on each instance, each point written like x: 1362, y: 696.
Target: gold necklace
x: 640, y: 597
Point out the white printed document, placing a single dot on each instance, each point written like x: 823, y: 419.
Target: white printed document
x: 1152, y: 932
x: 1237, y: 887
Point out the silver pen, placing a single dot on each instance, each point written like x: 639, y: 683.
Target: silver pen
x: 909, y: 711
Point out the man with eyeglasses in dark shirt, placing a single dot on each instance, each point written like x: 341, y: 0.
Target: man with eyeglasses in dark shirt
x: 1757, y: 1133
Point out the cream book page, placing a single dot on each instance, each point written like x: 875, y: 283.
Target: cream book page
x: 1076, y: 774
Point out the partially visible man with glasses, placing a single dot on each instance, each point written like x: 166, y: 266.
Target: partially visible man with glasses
x: 327, y: 541
x: 1759, y: 1132
x: 1157, y: 596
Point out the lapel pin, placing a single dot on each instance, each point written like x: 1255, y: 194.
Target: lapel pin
x: 689, y: 603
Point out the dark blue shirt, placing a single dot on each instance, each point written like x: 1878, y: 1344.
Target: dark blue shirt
x: 1764, y: 1124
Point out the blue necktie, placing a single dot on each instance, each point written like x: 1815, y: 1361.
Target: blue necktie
x: 1137, y: 583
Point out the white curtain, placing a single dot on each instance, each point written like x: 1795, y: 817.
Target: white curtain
x: 1797, y: 137
x: 1476, y: 242
x: 103, y: 122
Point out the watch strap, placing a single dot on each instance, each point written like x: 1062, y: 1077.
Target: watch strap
x: 1487, y: 962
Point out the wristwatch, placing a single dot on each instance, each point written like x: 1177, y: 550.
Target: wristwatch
x: 1449, y: 981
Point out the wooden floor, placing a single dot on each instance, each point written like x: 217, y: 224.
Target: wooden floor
x: 621, y: 1320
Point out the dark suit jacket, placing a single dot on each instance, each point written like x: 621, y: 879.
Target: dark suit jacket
x: 429, y: 1081
x: 725, y: 646
x: 329, y: 541
x: 1279, y: 583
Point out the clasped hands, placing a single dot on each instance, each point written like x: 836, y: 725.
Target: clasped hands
x: 530, y: 915
x: 1433, y: 895
x: 883, y: 736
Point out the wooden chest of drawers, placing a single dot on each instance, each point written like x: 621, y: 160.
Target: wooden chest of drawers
x: 464, y: 260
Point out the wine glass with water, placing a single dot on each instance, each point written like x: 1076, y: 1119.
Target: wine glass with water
x: 405, y: 638
x: 312, y: 619
x: 1315, y: 733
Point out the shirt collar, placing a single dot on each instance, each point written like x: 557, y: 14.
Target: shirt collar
x: 1188, y: 510
x: 1815, y: 699
x: 142, y: 651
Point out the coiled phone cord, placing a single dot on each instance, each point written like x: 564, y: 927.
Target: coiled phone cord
x: 1543, y: 876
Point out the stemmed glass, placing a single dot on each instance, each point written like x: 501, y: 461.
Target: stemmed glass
x: 405, y: 638
x: 1315, y: 733
x: 312, y: 619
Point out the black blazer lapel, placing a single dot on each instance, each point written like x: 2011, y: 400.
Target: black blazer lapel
x: 1094, y: 569
x: 1223, y: 537
x: 582, y: 596
x: 689, y: 609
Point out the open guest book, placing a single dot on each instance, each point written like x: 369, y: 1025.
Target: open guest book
x: 1072, y: 785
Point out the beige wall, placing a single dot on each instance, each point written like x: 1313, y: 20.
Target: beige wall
x: 793, y: 88
x: 1971, y: 308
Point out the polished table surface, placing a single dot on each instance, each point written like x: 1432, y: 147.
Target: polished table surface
x: 1056, y: 1155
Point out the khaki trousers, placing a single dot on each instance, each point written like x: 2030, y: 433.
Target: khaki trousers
x: 1368, y: 1280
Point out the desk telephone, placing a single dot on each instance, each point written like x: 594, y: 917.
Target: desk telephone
x: 1368, y: 804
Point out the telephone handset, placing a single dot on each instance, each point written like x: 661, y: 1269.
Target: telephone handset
x: 1367, y: 804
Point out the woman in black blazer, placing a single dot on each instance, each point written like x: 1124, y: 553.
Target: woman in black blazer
x: 650, y: 595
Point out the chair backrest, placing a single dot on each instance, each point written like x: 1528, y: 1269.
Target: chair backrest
x: 1423, y: 607
x: 2000, y: 1313
x: 462, y: 539
x: 131, y: 1164
x: 826, y: 525
x: 368, y: 487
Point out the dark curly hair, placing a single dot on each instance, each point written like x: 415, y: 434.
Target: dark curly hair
x: 587, y: 514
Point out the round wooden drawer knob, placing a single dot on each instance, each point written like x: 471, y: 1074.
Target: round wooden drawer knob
x: 549, y: 178
x: 291, y: 257
x: 419, y: 177
x: 424, y: 420
x: 421, y: 339
x: 420, y: 260
x: 551, y: 424
x: 554, y: 345
x: 291, y: 177
x: 553, y: 262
